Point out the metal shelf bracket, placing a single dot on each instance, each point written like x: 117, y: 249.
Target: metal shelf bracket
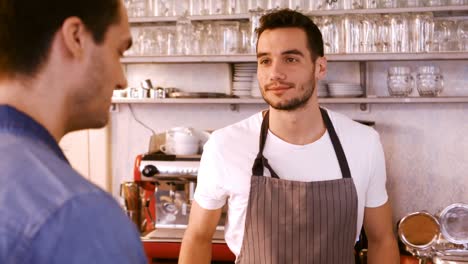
x: 234, y: 107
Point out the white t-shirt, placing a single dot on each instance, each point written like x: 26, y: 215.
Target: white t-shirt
x: 228, y: 156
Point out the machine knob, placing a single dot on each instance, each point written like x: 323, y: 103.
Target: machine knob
x: 149, y: 171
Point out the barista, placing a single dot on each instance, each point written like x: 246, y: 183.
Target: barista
x: 299, y: 180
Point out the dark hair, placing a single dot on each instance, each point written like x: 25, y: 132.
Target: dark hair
x: 287, y: 18
x: 27, y: 28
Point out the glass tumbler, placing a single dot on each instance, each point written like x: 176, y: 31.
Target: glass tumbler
x: 457, y: 2
x: 278, y: 4
x: 257, y: 5
x: 445, y: 35
x: 183, y: 36
x: 435, y: 2
x: 140, y: 8
x: 298, y: 5
x: 462, y: 33
x: 383, y: 38
x: 386, y: 3
x: 198, y: 7
x: 352, y: 34
x: 399, y: 33
x: 367, y: 31
x: 244, y: 38
x: 421, y: 30
x: 218, y: 7
x: 399, y: 81
x: 228, y: 35
x: 166, y: 7
x: 330, y: 28
x: 429, y: 81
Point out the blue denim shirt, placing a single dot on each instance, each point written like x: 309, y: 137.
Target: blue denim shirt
x: 48, y: 212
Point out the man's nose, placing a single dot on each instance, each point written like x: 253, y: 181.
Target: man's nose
x: 277, y: 72
x: 122, y: 82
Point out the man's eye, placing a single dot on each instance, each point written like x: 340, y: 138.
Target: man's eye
x: 291, y: 60
x: 264, y: 61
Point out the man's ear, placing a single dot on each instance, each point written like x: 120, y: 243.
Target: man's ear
x: 321, y: 68
x: 74, y: 34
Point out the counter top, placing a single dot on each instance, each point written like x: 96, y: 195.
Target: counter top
x: 176, y: 235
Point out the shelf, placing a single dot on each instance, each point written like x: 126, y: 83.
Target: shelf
x: 156, y: 19
x: 189, y: 59
x: 398, y: 56
x: 330, y: 57
x: 393, y: 100
x: 189, y: 101
x: 360, y: 100
x: 437, y: 10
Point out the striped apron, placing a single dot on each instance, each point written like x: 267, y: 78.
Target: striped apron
x: 291, y: 222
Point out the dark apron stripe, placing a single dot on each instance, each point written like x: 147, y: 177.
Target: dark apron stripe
x: 253, y: 213
x: 339, y: 221
x: 281, y: 226
x: 289, y: 221
x: 303, y: 232
x: 267, y: 202
x: 257, y: 219
x: 347, y: 223
x: 259, y: 253
x: 275, y: 223
x: 297, y: 215
x: 352, y: 225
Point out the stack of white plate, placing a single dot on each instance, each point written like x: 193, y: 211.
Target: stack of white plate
x: 322, y: 90
x: 244, y: 74
x: 337, y: 89
x: 255, y: 92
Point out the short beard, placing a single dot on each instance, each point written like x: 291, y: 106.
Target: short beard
x: 295, y: 103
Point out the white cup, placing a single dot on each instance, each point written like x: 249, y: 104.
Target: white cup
x: 180, y: 148
x: 183, y: 135
x: 181, y: 141
x: 186, y: 148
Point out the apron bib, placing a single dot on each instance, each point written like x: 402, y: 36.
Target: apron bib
x: 299, y: 222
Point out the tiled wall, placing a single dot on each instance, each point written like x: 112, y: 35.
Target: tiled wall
x: 426, y: 145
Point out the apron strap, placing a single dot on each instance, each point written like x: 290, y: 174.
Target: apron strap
x: 336, y: 145
x: 261, y: 162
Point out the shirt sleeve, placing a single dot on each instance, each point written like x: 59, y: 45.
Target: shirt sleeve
x: 376, y: 191
x: 210, y: 193
x: 87, y: 229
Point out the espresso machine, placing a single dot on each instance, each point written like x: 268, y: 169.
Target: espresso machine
x: 167, y: 184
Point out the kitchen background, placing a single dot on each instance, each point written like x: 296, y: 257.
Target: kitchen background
x: 425, y: 139
x: 425, y: 144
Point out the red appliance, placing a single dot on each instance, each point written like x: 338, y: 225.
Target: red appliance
x: 169, y: 182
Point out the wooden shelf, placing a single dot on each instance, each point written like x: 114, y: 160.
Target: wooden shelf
x: 189, y: 59
x: 157, y: 19
x: 330, y: 57
x: 189, y: 101
x: 359, y: 100
x: 437, y: 10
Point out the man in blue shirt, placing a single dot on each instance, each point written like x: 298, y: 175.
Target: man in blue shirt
x: 59, y: 63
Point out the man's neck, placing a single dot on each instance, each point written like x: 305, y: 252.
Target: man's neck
x: 36, y: 102
x: 300, y: 127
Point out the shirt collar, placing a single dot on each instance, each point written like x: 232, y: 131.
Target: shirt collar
x: 14, y: 121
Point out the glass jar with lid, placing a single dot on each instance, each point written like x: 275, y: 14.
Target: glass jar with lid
x: 399, y: 81
x: 429, y: 80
